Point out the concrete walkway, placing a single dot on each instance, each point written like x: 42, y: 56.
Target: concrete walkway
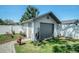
x: 7, y: 47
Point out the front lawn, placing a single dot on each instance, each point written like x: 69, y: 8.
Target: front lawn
x: 49, y: 46
x: 6, y: 38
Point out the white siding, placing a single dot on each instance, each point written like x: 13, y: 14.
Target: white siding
x: 45, y: 20
x: 25, y: 28
x: 33, y: 31
x: 29, y: 30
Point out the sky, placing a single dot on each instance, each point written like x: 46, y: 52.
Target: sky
x: 63, y: 12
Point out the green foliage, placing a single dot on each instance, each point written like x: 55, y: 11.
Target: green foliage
x: 1, y: 22
x: 36, y: 43
x: 6, y: 22
x: 56, y: 49
x: 44, y: 42
x: 62, y: 48
x: 13, y: 32
x: 22, y: 34
x: 30, y: 12
x: 54, y: 45
x: 6, y: 38
x: 69, y: 48
x: 76, y: 47
x: 9, y: 22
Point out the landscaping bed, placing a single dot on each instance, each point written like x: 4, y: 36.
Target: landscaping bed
x: 7, y: 38
x: 53, y: 45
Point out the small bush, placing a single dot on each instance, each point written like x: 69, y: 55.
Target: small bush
x: 13, y: 32
x: 22, y: 34
x: 76, y: 47
x: 36, y: 43
x: 9, y: 34
x: 44, y: 42
x: 69, y: 48
x: 62, y: 48
x: 57, y: 49
x: 59, y: 41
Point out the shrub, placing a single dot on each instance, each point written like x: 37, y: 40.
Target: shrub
x: 57, y: 49
x: 62, y: 48
x: 13, y: 32
x: 76, y: 47
x: 44, y: 42
x: 22, y: 34
x: 69, y: 48
x: 36, y: 43
x: 59, y: 41
x: 9, y: 34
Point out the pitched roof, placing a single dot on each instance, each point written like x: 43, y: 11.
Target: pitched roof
x: 74, y: 21
x: 49, y: 13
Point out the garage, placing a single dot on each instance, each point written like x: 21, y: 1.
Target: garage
x: 46, y: 30
x: 41, y: 27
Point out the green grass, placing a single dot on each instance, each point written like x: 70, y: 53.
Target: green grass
x: 6, y: 38
x: 49, y: 46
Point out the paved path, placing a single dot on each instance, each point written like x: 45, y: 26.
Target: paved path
x: 7, y: 47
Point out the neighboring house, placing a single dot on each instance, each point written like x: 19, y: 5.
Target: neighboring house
x: 41, y: 27
x: 70, y: 28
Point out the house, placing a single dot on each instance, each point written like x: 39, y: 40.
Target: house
x: 41, y: 27
x: 70, y: 28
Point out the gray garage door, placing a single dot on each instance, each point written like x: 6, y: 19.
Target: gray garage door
x: 46, y: 30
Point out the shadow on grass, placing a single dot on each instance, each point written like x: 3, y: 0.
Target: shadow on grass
x: 20, y: 44
x: 23, y: 43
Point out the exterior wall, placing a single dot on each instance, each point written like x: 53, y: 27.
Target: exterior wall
x: 27, y: 30
x: 70, y: 30
x: 59, y: 26
x: 8, y: 28
x: 44, y: 20
x: 33, y: 31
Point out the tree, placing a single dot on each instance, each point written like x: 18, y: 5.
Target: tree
x: 7, y: 22
x: 1, y: 22
x: 31, y: 12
